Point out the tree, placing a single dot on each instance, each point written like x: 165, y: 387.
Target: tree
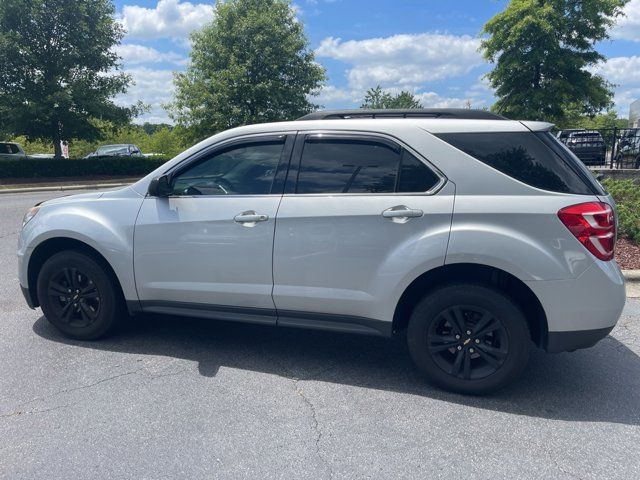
x: 378, y: 98
x: 57, y: 59
x: 542, y: 50
x: 606, y: 120
x: 251, y: 64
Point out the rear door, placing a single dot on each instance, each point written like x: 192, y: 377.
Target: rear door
x: 361, y: 215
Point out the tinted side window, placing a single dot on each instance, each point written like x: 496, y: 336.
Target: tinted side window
x: 8, y: 148
x: 415, y: 176
x: 347, y: 166
x: 247, y: 169
x: 523, y: 156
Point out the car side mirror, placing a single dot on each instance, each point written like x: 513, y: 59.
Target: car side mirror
x: 160, y: 187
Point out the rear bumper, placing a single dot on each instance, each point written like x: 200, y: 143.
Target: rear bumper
x: 570, y: 341
x: 583, y: 310
x: 590, y: 155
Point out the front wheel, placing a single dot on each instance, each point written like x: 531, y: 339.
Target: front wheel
x: 469, y: 338
x: 78, y: 295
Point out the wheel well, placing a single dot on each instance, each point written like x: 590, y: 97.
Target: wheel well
x: 50, y: 247
x: 468, y: 272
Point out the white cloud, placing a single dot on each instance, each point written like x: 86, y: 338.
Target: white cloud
x: 133, y: 54
x: 169, y: 19
x: 620, y: 70
x: 404, y: 60
x: 624, y: 72
x: 628, y: 27
x: 152, y: 87
x: 331, y: 96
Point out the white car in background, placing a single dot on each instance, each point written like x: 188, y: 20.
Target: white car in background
x: 11, y: 151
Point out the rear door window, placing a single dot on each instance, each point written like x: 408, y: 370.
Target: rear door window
x: 415, y: 176
x: 536, y: 159
x: 360, y: 165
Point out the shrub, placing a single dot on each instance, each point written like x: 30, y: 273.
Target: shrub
x: 112, y: 166
x: 626, y: 193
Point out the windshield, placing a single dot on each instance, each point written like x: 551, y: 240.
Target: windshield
x: 594, y: 135
x: 113, y: 149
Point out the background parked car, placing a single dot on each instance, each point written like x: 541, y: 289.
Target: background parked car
x: 11, y: 151
x: 44, y: 156
x: 119, y: 150
x: 628, y: 149
x: 587, y: 145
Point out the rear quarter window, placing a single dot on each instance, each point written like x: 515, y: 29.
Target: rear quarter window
x: 528, y: 157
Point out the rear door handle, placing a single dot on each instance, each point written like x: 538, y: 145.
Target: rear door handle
x: 250, y: 218
x: 401, y: 213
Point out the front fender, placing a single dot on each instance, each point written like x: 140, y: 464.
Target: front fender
x: 105, y: 224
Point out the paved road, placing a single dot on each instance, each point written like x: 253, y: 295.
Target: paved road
x: 174, y: 398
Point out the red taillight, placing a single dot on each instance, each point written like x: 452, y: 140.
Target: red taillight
x: 594, y: 225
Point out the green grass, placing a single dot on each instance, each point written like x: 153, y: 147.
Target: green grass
x: 626, y: 193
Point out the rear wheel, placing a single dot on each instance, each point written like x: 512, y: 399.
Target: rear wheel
x: 78, y: 296
x: 469, y: 338
x: 618, y: 161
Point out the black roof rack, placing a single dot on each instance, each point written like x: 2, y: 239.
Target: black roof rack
x: 459, y: 113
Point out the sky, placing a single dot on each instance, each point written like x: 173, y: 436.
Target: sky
x: 429, y: 47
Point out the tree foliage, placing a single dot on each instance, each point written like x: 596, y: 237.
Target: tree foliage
x: 378, y: 98
x: 251, y: 64
x: 542, y: 50
x: 57, y: 57
x: 160, y: 139
x: 574, y: 119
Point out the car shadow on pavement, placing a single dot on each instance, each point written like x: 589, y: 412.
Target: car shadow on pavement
x: 601, y: 384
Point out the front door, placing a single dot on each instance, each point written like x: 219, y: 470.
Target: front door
x: 207, y: 248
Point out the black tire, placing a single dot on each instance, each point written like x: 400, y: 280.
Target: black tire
x: 477, y: 363
x: 78, y: 295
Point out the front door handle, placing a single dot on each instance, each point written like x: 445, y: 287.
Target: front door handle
x: 250, y: 218
x: 401, y: 213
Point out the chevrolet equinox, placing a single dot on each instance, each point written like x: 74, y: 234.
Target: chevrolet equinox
x: 471, y: 235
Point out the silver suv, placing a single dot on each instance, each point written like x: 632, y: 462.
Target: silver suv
x: 472, y: 235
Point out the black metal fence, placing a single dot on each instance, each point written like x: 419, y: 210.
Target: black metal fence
x: 604, y: 148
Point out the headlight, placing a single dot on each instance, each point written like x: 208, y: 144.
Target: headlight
x: 29, y: 215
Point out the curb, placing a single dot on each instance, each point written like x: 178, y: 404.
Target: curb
x: 62, y: 188
x: 631, y: 276
x: 632, y: 279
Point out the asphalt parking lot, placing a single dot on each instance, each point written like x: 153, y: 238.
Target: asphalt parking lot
x: 176, y: 398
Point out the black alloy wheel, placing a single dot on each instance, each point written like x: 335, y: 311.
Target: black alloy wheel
x: 468, y: 342
x: 74, y: 297
x: 80, y: 295
x: 469, y: 338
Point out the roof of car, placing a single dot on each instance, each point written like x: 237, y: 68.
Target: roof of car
x: 449, y: 113
x: 432, y: 125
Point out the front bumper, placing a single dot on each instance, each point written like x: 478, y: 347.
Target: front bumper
x: 27, y: 296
